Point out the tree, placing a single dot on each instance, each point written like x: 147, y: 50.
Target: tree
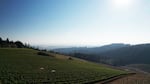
x: 19, y: 44
x: 1, y: 40
x: 7, y: 40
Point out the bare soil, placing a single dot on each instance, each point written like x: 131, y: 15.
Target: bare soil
x: 138, y: 78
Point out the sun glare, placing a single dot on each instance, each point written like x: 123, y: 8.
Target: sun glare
x: 122, y: 3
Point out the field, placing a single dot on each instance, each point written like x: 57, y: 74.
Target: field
x: 25, y: 66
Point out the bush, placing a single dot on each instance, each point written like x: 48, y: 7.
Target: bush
x: 43, y: 54
x: 70, y: 58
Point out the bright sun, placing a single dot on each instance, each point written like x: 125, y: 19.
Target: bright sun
x: 122, y: 3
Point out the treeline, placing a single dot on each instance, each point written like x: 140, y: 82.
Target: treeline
x: 18, y: 44
x: 93, y: 58
x: 11, y: 44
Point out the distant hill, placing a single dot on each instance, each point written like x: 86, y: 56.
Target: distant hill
x: 70, y: 50
x: 136, y: 54
x: 115, y: 54
x: 93, y: 50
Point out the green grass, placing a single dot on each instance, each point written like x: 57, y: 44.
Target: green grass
x: 22, y: 66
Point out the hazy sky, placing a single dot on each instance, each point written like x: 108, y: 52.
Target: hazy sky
x: 75, y: 22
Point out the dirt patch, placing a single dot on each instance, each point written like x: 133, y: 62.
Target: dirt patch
x: 106, y: 81
x: 133, y: 79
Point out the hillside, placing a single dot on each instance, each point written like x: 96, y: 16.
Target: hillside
x: 142, y: 67
x: 22, y: 66
x: 133, y: 54
x: 136, y: 54
x: 92, y: 50
x: 122, y: 56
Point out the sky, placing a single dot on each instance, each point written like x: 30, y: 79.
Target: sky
x: 75, y: 22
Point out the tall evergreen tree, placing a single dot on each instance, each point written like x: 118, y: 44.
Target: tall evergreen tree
x: 7, y: 40
x: 1, y: 40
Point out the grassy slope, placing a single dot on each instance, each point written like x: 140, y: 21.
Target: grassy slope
x: 143, y: 67
x: 23, y: 66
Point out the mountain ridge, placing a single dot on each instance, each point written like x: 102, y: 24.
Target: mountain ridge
x: 92, y: 50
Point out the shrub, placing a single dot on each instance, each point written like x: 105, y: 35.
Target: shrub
x: 70, y: 58
x: 43, y: 54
